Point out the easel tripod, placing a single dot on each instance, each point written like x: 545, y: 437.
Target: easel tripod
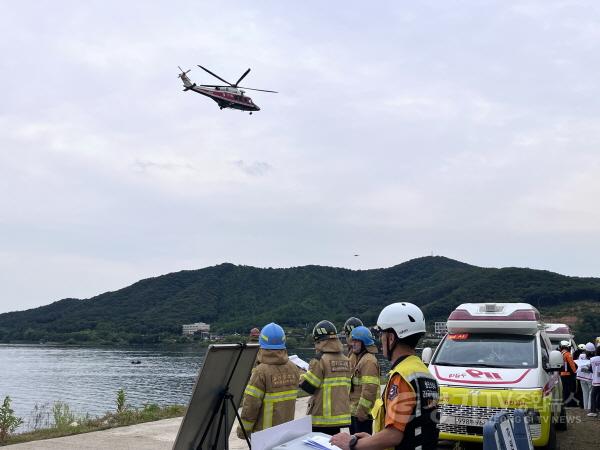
x: 225, y: 402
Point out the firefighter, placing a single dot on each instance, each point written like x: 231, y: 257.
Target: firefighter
x: 365, y: 380
x: 567, y: 375
x: 405, y: 416
x: 328, y: 381
x: 349, y: 325
x: 270, y: 396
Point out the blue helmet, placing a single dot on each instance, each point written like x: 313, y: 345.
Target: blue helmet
x: 363, y: 334
x: 272, y: 337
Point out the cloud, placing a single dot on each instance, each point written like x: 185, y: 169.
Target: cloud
x: 255, y: 169
x: 469, y: 129
x: 147, y: 165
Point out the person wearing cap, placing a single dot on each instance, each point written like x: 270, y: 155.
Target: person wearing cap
x: 270, y: 396
x: 595, y: 394
x: 328, y: 381
x: 584, y: 374
x: 578, y: 396
x: 406, y: 415
x: 349, y: 325
x: 578, y: 350
x: 365, y: 380
x: 567, y: 375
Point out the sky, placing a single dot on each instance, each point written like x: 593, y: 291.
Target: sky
x: 468, y: 129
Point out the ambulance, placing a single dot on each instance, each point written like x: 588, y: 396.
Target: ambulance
x: 558, y: 332
x: 496, y: 357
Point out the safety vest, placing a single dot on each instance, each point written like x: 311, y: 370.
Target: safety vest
x: 270, y: 396
x: 421, y: 432
x: 569, y: 367
x: 329, y: 405
x: 365, y: 384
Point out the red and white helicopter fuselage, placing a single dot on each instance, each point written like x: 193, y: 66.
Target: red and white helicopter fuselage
x: 226, y: 96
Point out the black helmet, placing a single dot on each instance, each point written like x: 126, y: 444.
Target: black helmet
x: 350, y: 324
x: 324, y: 330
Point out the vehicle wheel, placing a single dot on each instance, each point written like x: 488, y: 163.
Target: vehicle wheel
x: 552, y: 443
x: 561, y: 424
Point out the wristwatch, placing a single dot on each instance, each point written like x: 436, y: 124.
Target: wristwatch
x: 353, y: 441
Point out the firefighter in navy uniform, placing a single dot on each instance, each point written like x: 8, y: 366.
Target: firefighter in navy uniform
x: 406, y: 415
x: 328, y: 381
x: 270, y: 396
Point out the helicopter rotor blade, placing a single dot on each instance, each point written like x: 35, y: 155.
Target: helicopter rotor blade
x: 183, y: 72
x: 254, y: 89
x: 242, y: 77
x: 215, y: 75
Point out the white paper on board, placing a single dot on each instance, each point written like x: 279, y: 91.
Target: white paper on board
x: 280, y: 434
x: 299, y: 362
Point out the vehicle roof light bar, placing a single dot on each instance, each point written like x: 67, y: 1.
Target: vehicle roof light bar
x: 519, y: 314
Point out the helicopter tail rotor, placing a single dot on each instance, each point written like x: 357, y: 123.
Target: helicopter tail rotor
x: 183, y: 72
x: 186, y: 81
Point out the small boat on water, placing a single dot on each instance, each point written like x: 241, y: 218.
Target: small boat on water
x: 136, y: 361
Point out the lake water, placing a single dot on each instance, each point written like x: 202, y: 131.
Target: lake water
x: 87, y: 379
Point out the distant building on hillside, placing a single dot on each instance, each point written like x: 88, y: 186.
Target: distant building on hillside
x: 196, y: 328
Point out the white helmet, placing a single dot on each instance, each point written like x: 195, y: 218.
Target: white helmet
x: 565, y: 344
x: 581, y: 346
x: 404, y: 318
x: 590, y: 347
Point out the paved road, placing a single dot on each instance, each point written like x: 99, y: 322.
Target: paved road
x: 159, y: 435
x: 583, y: 433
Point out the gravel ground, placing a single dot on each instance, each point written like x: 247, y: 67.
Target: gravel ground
x: 582, y: 432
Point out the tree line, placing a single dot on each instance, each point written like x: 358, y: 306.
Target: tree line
x: 236, y: 298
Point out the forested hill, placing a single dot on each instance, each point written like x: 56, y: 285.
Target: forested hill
x: 231, y: 297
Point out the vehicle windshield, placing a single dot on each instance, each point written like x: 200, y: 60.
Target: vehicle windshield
x: 487, y: 350
x: 555, y: 343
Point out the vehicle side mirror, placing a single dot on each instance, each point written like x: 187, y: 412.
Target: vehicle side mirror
x: 427, y: 353
x: 556, y: 360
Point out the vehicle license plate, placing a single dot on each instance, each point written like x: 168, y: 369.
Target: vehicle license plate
x: 461, y: 420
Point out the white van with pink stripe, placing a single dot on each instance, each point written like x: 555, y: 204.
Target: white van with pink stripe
x: 497, y: 357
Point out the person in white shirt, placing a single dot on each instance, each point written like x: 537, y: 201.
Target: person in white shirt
x: 595, y: 394
x: 584, y: 375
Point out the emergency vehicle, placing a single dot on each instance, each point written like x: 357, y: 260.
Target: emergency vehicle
x: 496, y: 357
x: 558, y: 332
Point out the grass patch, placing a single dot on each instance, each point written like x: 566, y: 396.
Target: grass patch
x: 67, y: 424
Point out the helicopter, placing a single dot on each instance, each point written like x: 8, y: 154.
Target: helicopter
x: 227, y: 96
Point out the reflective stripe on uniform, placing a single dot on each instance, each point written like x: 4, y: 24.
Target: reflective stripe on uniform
x: 367, y: 379
x: 366, y: 403
x: 275, y: 397
x: 357, y: 381
x: 254, y: 392
x: 281, y: 396
x: 343, y: 419
x: 248, y: 426
x: 337, y: 381
x: 312, y: 379
x: 328, y: 384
